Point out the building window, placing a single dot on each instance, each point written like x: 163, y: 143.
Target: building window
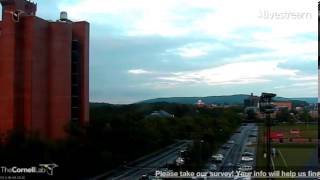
x: 75, y: 81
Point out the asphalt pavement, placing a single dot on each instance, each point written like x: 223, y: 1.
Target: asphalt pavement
x: 244, y: 141
x: 150, y: 165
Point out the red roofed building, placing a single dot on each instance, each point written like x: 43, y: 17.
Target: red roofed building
x: 287, y: 104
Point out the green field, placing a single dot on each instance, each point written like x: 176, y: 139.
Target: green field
x: 294, y: 156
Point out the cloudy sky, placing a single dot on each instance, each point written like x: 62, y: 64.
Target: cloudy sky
x: 144, y: 49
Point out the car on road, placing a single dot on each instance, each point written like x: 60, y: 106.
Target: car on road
x: 179, y: 161
x: 212, y: 167
x: 164, y: 169
x: 143, y: 177
x: 238, y: 165
x: 245, y: 168
x: 231, y: 142
x: 230, y: 164
x: 217, y: 158
x: 247, y: 154
x: 246, y: 159
x: 252, y: 135
x: 226, y: 146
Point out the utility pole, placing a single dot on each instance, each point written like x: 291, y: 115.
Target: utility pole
x: 267, y: 108
x: 200, y: 153
x: 318, y: 71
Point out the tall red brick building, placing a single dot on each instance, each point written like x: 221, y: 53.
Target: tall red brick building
x: 44, y: 69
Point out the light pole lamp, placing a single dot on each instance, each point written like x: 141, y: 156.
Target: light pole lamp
x: 200, y: 153
x: 267, y: 108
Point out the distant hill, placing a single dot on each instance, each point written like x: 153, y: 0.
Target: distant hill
x: 232, y: 99
x: 308, y: 100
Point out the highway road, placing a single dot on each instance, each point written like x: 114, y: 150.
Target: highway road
x: 242, y: 140
x: 232, y: 155
x: 150, y: 165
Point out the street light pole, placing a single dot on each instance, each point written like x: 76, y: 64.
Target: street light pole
x: 201, y: 141
x: 268, y: 119
x: 267, y: 108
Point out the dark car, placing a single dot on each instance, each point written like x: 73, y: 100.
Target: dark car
x: 226, y: 146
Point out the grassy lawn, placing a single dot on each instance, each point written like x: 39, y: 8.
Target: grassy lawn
x: 295, y: 155
x: 293, y: 158
x: 260, y: 161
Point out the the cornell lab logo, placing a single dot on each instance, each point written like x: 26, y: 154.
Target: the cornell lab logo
x: 49, y: 168
x: 41, y: 169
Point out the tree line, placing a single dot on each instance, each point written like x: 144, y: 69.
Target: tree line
x: 121, y: 133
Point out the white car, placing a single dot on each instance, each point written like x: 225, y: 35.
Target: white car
x: 245, y: 168
x: 249, y: 143
x: 217, y: 157
x: 212, y: 167
x: 246, y: 158
x: 231, y: 142
x: 179, y: 161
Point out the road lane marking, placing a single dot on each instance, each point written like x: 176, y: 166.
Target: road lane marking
x: 273, y: 164
x: 284, y: 161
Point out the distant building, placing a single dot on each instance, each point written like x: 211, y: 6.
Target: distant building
x: 314, y: 113
x: 283, y: 105
x: 213, y: 106
x: 200, y: 103
x: 299, y: 109
x: 44, y: 71
x: 251, y: 101
x: 161, y: 113
x: 253, y: 109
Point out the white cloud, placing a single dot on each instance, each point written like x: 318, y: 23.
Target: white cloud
x: 305, y: 84
x: 196, y: 49
x: 159, y: 85
x: 284, y: 47
x: 149, y: 17
x: 305, y: 78
x: 228, y: 21
x: 231, y: 15
x: 234, y: 73
x: 312, y: 86
x: 139, y: 71
x: 139, y: 17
